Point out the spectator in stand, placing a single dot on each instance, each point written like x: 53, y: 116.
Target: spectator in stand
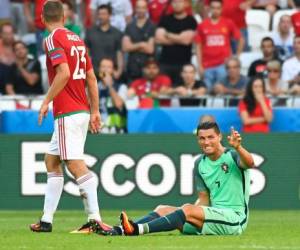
x: 121, y: 11
x: 213, y: 44
x: 236, y: 11
x: 259, y: 67
x: 287, y: 4
x: 4, y: 75
x: 112, y: 99
x: 283, y: 37
x: 138, y: 40
x: 160, y: 8
x: 175, y: 34
x: 35, y: 24
x: 291, y: 69
x: 5, y: 11
x: 25, y: 73
x: 17, y: 17
x: 190, y: 88
x: 296, y: 21
x: 150, y: 86
x: 255, y: 108
x: 104, y: 41
x: 275, y: 87
x: 7, y: 55
x: 269, y: 5
x: 234, y: 83
x: 85, y: 13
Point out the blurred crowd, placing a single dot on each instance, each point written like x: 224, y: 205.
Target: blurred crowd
x: 162, y: 53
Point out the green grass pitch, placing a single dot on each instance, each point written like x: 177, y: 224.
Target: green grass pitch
x: 274, y: 230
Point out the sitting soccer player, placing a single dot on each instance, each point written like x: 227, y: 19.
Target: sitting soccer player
x: 223, y: 182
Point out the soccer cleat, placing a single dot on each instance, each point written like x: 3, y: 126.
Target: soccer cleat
x: 88, y: 227
x: 105, y: 230
x: 129, y: 227
x: 41, y: 227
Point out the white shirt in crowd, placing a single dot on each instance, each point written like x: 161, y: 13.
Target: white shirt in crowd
x: 120, y: 10
x: 290, y: 68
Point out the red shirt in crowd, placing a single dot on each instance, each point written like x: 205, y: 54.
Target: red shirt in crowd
x: 257, y: 112
x: 215, y: 40
x: 38, y: 9
x: 157, y: 9
x: 63, y: 46
x: 142, y: 87
x: 296, y: 22
x: 232, y: 10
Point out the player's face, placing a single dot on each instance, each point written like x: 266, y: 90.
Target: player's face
x: 209, y: 141
x: 141, y: 8
x: 215, y: 9
x: 188, y: 74
x: 151, y: 71
x: 178, y: 6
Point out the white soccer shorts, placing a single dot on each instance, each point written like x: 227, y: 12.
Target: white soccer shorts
x: 69, y: 136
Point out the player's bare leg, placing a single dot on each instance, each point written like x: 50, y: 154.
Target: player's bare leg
x: 167, y: 222
x: 55, y: 183
x: 88, y: 191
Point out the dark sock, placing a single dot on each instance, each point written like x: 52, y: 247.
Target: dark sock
x: 169, y: 222
x: 149, y: 217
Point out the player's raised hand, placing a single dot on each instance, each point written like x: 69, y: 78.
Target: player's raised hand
x: 43, y: 112
x: 95, y: 122
x: 234, y: 139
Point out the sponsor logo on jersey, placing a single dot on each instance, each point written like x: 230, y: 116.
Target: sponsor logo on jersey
x: 56, y: 56
x: 225, y: 167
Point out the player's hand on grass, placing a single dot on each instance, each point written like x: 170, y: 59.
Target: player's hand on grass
x: 43, y: 112
x: 234, y: 139
x: 95, y: 122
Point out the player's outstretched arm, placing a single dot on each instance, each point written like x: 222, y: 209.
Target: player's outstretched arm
x: 59, y: 82
x: 95, y: 121
x: 234, y: 140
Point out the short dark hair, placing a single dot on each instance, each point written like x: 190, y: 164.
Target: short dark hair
x: 69, y: 4
x: 208, y: 125
x: 6, y: 24
x: 105, y: 7
x: 267, y: 39
x: 19, y: 42
x: 53, y: 11
x: 187, y: 65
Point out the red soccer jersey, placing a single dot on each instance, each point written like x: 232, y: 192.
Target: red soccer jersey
x: 63, y: 46
x: 257, y: 112
x: 215, y: 40
x: 232, y: 10
x: 142, y: 87
x: 38, y: 9
x: 296, y: 22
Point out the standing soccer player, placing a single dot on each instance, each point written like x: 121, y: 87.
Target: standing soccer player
x: 223, y: 183
x: 69, y: 71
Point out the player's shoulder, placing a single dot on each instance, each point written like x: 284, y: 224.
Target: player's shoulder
x: 199, y: 159
x: 65, y: 35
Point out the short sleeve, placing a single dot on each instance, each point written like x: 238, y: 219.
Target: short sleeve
x: 134, y: 84
x: 199, y: 182
x: 236, y: 158
x: 165, y: 81
x: 193, y: 23
x: 163, y: 22
x: 55, y: 50
x: 122, y: 91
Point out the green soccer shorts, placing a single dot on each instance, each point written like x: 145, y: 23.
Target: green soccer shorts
x: 219, y: 221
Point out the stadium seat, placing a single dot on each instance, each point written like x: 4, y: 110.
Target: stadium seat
x: 247, y: 58
x: 258, y: 22
x: 280, y: 13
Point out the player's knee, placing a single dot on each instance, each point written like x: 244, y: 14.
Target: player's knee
x: 187, y: 208
x: 52, y: 163
x: 160, y: 209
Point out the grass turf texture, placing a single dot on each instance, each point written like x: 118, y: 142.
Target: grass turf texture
x: 266, y: 230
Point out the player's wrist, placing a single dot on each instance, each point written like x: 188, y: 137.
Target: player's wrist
x: 238, y: 147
